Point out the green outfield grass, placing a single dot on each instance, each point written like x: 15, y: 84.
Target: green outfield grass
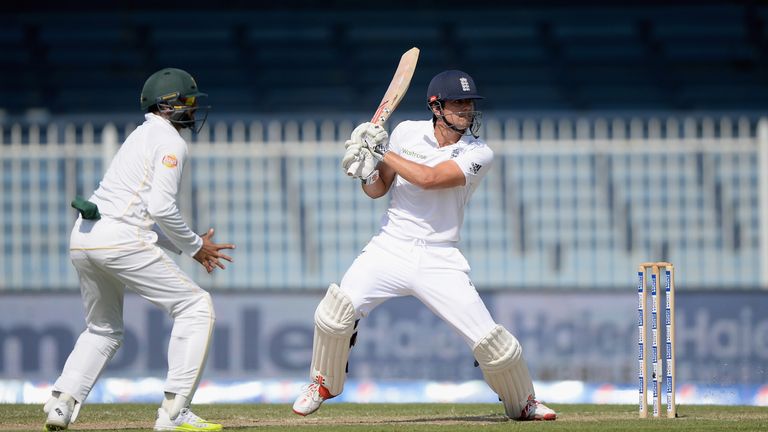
x: 402, y: 417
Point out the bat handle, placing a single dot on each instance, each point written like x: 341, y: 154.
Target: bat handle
x: 352, y: 170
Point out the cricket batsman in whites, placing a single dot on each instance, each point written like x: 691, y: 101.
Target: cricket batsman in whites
x: 113, y: 247
x: 430, y: 168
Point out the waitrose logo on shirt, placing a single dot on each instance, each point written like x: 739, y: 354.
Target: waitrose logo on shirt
x: 413, y: 154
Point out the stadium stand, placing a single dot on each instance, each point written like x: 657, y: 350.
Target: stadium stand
x: 567, y: 204
x: 546, y: 56
x: 564, y: 191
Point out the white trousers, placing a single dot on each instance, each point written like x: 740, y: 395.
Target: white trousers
x: 110, y: 256
x: 437, y: 275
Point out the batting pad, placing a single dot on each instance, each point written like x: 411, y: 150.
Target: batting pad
x: 501, y: 359
x: 334, y: 326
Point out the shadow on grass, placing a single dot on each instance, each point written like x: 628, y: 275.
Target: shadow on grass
x: 490, y: 418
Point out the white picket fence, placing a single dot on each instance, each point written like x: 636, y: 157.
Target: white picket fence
x: 568, y: 203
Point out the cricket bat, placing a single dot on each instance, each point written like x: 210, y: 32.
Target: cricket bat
x: 394, y: 94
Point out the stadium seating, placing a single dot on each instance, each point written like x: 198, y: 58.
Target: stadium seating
x: 339, y: 60
x: 568, y: 204
x: 539, y: 217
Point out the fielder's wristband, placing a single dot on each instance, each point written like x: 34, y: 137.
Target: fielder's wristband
x: 371, y: 179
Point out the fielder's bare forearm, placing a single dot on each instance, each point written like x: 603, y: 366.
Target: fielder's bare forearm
x: 443, y: 175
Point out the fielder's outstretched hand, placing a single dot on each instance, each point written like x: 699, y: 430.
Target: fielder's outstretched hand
x: 209, y: 255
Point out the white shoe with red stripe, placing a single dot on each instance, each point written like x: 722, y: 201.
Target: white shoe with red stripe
x: 535, y: 410
x: 311, y: 397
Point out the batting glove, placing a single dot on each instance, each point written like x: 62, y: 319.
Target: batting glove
x: 373, y: 137
x: 367, y: 171
x: 351, y: 155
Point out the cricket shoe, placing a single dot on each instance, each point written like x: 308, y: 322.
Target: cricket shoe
x: 59, y: 411
x: 185, y: 421
x: 535, y: 410
x: 311, y: 397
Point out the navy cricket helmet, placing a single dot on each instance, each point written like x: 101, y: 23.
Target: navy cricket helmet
x: 452, y: 85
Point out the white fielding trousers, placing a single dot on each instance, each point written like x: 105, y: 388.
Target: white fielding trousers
x: 437, y: 275
x: 110, y: 256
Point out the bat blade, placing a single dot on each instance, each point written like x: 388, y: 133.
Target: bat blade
x: 397, y: 87
x: 394, y: 94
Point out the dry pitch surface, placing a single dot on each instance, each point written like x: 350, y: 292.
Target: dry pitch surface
x: 401, y: 417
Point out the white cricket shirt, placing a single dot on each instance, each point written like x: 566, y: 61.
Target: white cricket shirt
x: 142, y: 182
x: 434, y: 216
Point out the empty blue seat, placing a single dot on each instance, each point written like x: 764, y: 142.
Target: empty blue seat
x: 540, y: 55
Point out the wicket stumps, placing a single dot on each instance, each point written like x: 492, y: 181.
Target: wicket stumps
x: 657, y: 365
